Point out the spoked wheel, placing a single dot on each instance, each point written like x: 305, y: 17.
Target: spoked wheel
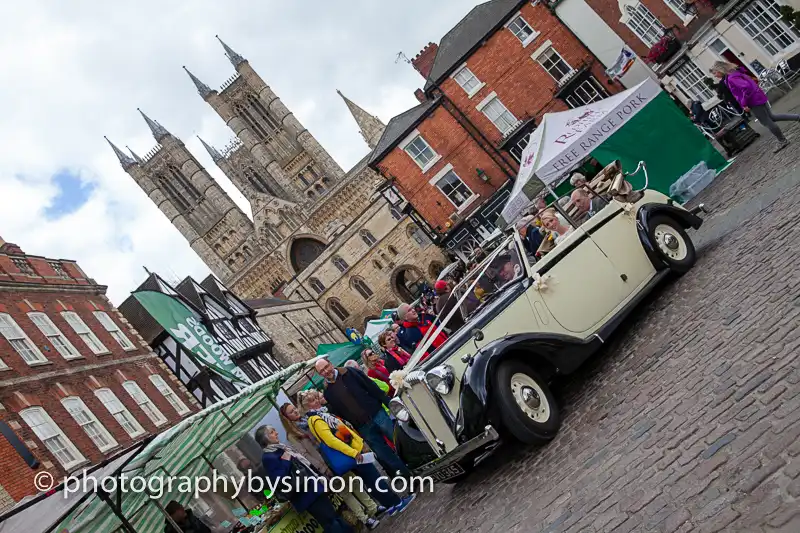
x: 672, y: 244
x: 527, y: 407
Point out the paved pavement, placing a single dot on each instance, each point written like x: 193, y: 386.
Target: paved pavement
x: 690, y: 420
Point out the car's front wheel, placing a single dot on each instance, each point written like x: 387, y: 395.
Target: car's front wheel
x: 526, y: 405
x: 672, y: 243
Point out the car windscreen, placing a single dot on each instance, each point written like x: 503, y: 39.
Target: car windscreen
x: 503, y: 269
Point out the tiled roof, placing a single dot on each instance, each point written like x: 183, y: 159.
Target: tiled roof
x: 141, y: 320
x: 399, y: 127
x: 468, y: 34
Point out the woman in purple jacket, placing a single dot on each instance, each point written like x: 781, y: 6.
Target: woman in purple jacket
x: 752, y: 98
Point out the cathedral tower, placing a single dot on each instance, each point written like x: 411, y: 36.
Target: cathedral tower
x: 370, y: 127
x: 216, y: 229
x: 295, y: 166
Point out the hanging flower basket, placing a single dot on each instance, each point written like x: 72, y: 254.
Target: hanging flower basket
x: 663, y: 50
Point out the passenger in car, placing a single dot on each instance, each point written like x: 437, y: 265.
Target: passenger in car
x: 558, y: 230
x: 529, y: 231
x: 586, y: 204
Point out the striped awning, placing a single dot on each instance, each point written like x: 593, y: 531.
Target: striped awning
x: 186, y: 449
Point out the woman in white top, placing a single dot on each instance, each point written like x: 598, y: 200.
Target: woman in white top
x: 554, y: 223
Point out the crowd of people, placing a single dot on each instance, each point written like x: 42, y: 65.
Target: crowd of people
x: 346, y: 429
x: 545, y: 227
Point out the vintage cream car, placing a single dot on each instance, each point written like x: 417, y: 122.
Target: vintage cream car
x: 535, y: 320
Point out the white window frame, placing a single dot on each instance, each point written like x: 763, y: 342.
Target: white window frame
x: 413, y: 136
x: 646, y: 17
x: 441, y: 175
x: 684, y: 81
x: 487, y: 102
x: 463, y: 81
x: 114, y: 330
x: 52, y: 437
x: 51, y: 332
x: 20, y: 341
x: 677, y: 7
x: 516, y: 29
x: 767, y: 42
x: 82, y: 330
x: 145, y: 403
x: 593, y: 84
x: 548, y: 48
x: 166, y: 391
x: 120, y: 413
x: 89, y: 423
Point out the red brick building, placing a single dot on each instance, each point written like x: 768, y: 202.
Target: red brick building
x: 487, y: 84
x: 77, y: 383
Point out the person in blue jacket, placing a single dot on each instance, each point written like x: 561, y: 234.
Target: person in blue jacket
x: 282, y: 464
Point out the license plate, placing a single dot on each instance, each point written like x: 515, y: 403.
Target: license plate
x: 447, y: 472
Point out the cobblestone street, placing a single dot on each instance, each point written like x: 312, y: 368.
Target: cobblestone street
x: 690, y: 419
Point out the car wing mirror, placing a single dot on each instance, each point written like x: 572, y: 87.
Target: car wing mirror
x: 477, y: 336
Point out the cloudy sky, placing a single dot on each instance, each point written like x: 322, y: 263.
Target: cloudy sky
x: 75, y: 71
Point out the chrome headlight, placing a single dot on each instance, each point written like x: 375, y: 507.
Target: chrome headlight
x: 398, y: 409
x: 441, y: 379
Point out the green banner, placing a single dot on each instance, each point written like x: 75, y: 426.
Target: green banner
x: 183, y: 326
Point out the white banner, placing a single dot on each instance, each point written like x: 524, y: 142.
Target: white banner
x: 564, y: 139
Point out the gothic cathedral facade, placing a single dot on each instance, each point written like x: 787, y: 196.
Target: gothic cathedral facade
x: 305, y: 208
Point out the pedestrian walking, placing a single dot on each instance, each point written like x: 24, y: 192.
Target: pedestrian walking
x: 752, y: 98
x: 351, y: 395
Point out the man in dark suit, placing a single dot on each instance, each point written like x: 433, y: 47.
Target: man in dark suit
x: 587, y: 205
x: 353, y: 396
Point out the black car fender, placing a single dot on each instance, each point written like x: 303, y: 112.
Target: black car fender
x: 548, y: 354
x: 647, y: 212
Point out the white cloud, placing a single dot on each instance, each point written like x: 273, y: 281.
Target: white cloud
x: 75, y: 71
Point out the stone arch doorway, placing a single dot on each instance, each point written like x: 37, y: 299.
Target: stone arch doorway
x: 407, y: 282
x: 304, y: 251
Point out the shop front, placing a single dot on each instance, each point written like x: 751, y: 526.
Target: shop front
x: 748, y: 33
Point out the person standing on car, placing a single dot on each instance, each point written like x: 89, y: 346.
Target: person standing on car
x: 413, y: 329
x: 351, y: 395
x: 752, y: 98
x: 445, y: 302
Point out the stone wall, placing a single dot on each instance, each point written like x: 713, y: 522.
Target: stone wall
x: 376, y: 252
x: 297, y: 329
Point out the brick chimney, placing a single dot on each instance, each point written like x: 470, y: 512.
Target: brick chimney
x: 420, y: 96
x: 424, y: 60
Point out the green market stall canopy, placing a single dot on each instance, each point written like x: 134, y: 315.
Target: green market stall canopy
x: 186, y: 449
